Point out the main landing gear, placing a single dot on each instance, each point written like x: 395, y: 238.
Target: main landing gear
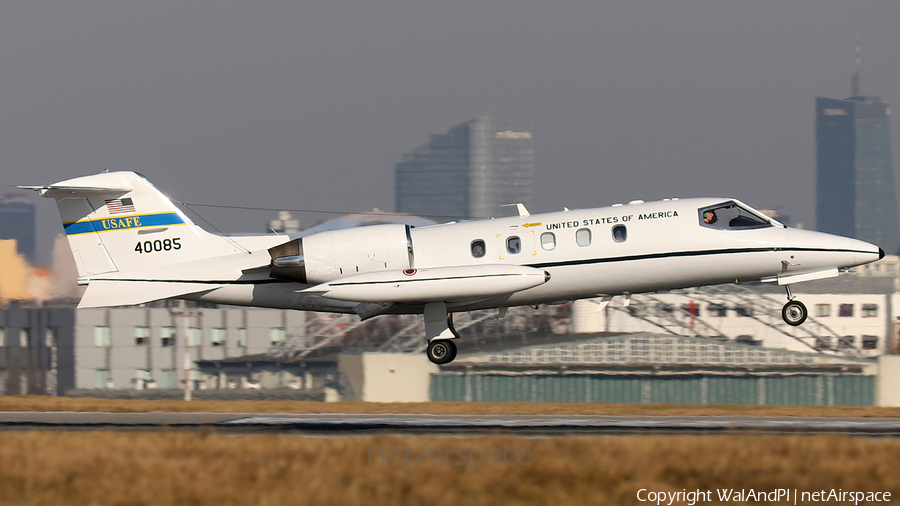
x: 440, y: 333
x: 794, y: 312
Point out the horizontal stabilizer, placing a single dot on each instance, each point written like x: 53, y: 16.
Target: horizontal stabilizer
x: 128, y: 293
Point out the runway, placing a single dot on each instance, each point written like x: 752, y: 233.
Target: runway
x: 339, y: 424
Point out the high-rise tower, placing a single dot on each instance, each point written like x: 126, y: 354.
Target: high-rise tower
x: 17, y: 222
x: 470, y: 171
x: 854, y: 172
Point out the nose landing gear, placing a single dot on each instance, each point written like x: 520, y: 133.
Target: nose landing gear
x: 794, y: 312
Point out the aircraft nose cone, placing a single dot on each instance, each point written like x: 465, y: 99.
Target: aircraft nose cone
x: 880, y: 253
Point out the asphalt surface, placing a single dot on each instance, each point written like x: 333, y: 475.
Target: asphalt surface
x: 357, y: 424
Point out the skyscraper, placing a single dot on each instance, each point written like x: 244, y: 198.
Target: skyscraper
x: 17, y: 222
x: 854, y: 172
x: 468, y: 172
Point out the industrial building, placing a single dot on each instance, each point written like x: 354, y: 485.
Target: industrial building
x: 468, y: 172
x: 654, y: 368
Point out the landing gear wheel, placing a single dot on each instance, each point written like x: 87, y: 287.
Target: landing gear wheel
x: 441, y: 351
x: 794, y: 313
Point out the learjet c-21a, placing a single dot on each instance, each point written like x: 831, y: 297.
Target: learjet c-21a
x: 132, y: 245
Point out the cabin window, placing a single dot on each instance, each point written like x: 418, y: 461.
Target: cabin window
x: 477, y: 248
x: 548, y: 241
x: 513, y: 245
x: 583, y: 237
x: 620, y: 233
x: 731, y: 216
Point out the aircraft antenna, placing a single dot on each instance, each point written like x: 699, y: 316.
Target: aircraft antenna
x: 223, y: 234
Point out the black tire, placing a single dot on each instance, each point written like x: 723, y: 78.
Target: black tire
x: 441, y: 351
x: 794, y: 313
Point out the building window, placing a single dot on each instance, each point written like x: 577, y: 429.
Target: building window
x: 3, y: 336
x: 620, y: 233
x: 25, y: 337
x: 50, y: 338
x: 168, y: 379
x: 242, y: 337
x: 718, y: 310
x: 870, y: 342
x: 277, y: 335
x: 101, y: 378
x: 869, y: 310
x: 743, y: 310
x: 583, y: 237
x: 218, y: 337
x: 513, y: 245
x: 142, y: 379
x: 194, y: 336
x: 478, y: 249
x: 845, y: 310
x: 823, y: 310
x: 548, y: 241
x: 846, y: 342
x: 168, y: 336
x: 690, y: 309
x: 101, y: 336
x: 141, y: 336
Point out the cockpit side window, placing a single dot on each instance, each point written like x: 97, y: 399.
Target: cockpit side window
x: 731, y: 216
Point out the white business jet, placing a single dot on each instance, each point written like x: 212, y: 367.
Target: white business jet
x: 133, y: 245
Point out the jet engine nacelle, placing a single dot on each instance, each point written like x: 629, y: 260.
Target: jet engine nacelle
x: 326, y: 256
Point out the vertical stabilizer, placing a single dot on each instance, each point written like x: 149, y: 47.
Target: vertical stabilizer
x: 120, y: 222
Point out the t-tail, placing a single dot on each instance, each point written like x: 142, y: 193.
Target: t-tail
x: 121, y: 228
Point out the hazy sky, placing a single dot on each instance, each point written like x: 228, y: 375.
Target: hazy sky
x: 309, y: 104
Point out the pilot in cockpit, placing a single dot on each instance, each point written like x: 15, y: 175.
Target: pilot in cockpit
x: 709, y: 217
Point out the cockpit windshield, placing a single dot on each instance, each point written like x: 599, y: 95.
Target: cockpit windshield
x: 731, y: 216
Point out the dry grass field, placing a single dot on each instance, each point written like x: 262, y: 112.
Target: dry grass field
x: 38, y: 403
x: 204, y: 468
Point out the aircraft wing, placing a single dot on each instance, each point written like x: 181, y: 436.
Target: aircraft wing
x: 431, y: 285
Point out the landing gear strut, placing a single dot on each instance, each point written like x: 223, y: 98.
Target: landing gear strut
x: 440, y: 333
x: 794, y: 312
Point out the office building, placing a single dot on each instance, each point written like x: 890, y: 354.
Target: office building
x: 854, y: 172
x: 468, y: 172
x: 17, y: 222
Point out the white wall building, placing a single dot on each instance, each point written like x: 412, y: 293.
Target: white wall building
x: 849, y: 315
x: 136, y: 348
